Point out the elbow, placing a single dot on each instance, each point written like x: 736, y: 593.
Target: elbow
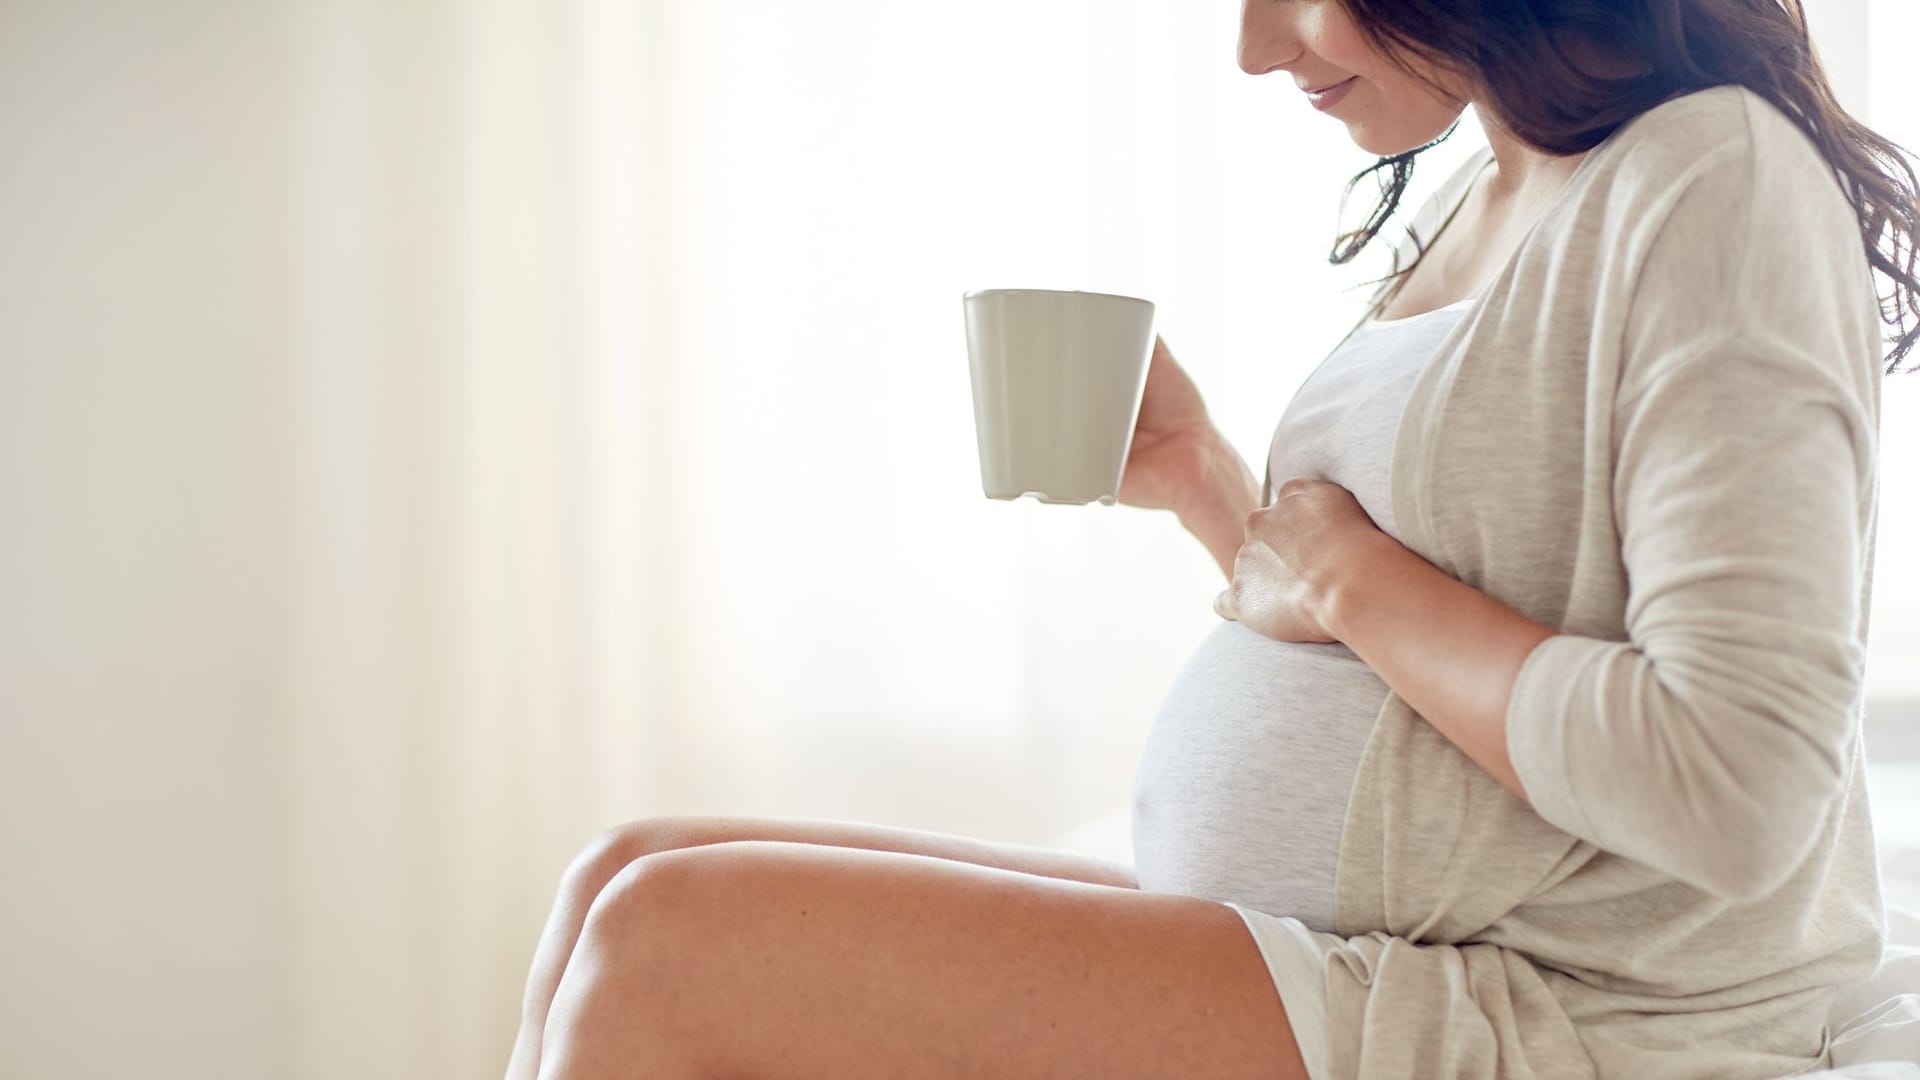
x: 1747, y: 869
x: 1752, y: 849
x: 1755, y: 774
x: 1720, y: 775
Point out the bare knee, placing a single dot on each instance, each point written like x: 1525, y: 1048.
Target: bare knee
x: 625, y: 992
x: 643, y: 893
x: 617, y: 848
x: 591, y: 873
x: 653, y: 916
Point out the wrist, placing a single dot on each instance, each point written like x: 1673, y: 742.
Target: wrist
x: 1225, y: 489
x: 1216, y: 508
x: 1344, y: 589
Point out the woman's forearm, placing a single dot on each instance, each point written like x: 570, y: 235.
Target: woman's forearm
x: 1449, y: 650
x: 1217, y: 513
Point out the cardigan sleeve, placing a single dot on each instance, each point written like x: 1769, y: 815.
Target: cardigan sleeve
x: 1712, y: 743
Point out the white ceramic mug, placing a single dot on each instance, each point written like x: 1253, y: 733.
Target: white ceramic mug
x: 1057, y: 381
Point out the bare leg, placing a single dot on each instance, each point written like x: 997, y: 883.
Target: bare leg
x: 776, y: 961
x: 615, y: 849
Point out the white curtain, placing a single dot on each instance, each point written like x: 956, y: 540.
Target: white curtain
x: 634, y: 457
x: 636, y: 471
x: 584, y: 388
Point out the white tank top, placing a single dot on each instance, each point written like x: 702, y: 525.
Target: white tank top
x: 1241, y: 791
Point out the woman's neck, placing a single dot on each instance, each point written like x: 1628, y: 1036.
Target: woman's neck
x: 1521, y: 175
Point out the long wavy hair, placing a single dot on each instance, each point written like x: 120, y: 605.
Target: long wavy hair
x: 1514, y: 50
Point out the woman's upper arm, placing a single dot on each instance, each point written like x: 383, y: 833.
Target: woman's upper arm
x: 1711, y: 743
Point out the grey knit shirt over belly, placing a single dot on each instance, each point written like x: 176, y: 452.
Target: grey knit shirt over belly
x: 1656, y: 431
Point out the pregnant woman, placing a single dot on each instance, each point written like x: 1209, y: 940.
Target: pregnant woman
x: 1528, y: 743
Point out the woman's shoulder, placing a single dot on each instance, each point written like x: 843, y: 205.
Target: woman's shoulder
x: 1725, y: 144
x: 1716, y: 218
x: 1719, y: 196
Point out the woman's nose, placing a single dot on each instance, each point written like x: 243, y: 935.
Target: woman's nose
x: 1268, y: 39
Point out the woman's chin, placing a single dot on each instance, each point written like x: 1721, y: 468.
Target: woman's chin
x: 1389, y: 140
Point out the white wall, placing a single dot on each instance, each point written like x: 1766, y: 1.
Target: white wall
x: 1842, y: 31
x: 141, y: 928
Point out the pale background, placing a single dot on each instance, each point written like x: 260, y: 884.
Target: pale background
x: 430, y: 432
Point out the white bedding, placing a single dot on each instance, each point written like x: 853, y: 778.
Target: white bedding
x: 1875, y: 1023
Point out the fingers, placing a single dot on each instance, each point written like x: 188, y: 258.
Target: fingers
x: 1223, y: 605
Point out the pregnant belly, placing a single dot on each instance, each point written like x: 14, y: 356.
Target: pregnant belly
x: 1242, y: 787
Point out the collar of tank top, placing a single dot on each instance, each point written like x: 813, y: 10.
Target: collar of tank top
x: 1457, y: 305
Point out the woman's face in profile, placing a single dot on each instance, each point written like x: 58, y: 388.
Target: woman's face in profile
x: 1387, y: 111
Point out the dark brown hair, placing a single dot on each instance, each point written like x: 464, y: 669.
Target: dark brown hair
x: 1517, y: 51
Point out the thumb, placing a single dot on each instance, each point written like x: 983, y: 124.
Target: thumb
x: 1223, y: 604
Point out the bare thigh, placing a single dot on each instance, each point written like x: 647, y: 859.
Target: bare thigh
x: 798, y: 961
x: 624, y: 845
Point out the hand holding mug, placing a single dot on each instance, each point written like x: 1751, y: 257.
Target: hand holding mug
x: 1172, y: 439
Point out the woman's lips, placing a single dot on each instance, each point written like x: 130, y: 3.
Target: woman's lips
x: 1329, y: 97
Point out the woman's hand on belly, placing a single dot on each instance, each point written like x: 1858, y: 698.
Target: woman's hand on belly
x: 1314, y: 567
x: 1293, y: 554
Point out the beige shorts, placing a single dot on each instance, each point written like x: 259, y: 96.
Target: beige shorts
x: 1296, y: 957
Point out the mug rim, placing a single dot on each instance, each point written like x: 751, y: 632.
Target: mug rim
x: 977, y: 293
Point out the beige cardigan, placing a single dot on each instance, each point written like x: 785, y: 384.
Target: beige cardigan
x: 1657, y: 433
